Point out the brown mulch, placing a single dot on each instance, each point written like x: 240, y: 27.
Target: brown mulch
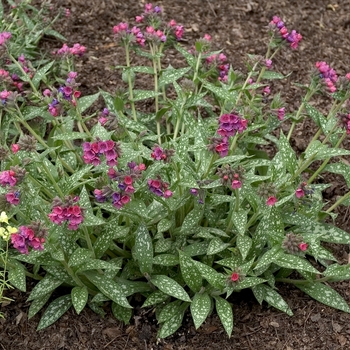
x: 238, y: 27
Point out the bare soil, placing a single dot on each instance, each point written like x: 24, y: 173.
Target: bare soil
x: 238, y: 27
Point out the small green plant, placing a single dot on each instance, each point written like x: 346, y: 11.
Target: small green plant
x: 180, y: 203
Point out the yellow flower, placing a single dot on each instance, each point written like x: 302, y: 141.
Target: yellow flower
x: 4, y: 234
x: 3, y: 217
x: 11, y: 229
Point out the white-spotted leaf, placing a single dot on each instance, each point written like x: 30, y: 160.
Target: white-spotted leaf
x: 143, y: 249
x: 79, y: 298
x: 190, y: 273
x: 200, y: 308
x: 171, y: 287
x: 224, y: 310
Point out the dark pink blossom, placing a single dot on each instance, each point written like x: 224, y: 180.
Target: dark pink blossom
x: 271, y: 201
x: 303, y: 246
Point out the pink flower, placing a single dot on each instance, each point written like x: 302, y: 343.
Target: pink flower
x: 172, y: 23
x: 139, y: 19
x: 299, y: 193
x: 207, y: 37
x: 281, y: 113
x: 15, y: 147
x: 234, y: 277
x: 236, y: 184
x: 303, y: 246
x: 267, y: 90
x: 347, y: 76
x: 167, y: 194
x: 268, y: 63
x: 13, y: 198
x: 271, y: 201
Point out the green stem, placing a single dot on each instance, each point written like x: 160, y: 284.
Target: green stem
x: 338, y: 202
x: 131, y: 94
x: 72, y: 274
x: 197, y: 67
x: 88, y: 240
x: 156, y: 100
x: 301, y: 108
x: 246, y: 83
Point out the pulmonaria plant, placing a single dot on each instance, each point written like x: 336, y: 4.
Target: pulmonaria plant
x: 183, y: 203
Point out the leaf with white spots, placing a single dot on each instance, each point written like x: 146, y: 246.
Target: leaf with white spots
x: 274, y: 299
x: 37, y: 304
x: 214, y: 278
x: 338, y: 272
x: 109, y: 288
x: 189, y: 272
x: 192, y: 219
x: 164, y: 225
x: 319, y: 119
x: 216, y: 245
x: 79, y: 298
x: 325, y: 295
x: 170, y: 75
x: 79, y: 256
x: 44, y: 286
x: 200, y: 308
x: 155, y: 298
x: 249, y: 282
x: 54, y: 311
x: 97, y: 264
x: 143, y: 249
x: 269, y: 257
x: 17, y: 277
x: 224, y: 310
x: 172, y: 324
x: 171, y: 287
x: 163, y: 245
x: 244, y: 243
x: 166, y: 260
x: 240, y: 220
x: 294, y: 262
x: 86, y: 101
x: 121, y: 313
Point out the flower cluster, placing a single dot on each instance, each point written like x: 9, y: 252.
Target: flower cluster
x: 68, y: 211
x: 94, y: 150
x: 75, y: 50
x: 230, y: 124
x: 293, y: 38
x: 159, y: 188
x: 218, y: 145
x: 29, y: 236
x: 123, y: 33
x: 328, y: 75
x: 12, y: 177
x: 232, y: 177
x: 125, y: 185
x: 294, y: 243
x: 219, y: 61
x: 108, y: 120
x: 162, y: 154
x: 269, y: 192
x: 177, y: 29
x: 4, y: 36
x: 5, y: 233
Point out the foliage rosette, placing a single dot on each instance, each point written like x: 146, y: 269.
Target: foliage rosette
x: 181, y: 204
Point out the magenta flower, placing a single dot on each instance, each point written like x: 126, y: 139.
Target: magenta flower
x: 8, y: 177
x: 234, y: 277
x: 268, y: 63
x: 13, y: 197
x: 303, y: 246
x: 230, y: 124
x: 271, y: 201
x: 15, y: 147
x: 26, y: 238
x: 299, y: 193
x: 4, y: 36
x: 236, y: 184
x: 328, y: 75
x: 281, y: 113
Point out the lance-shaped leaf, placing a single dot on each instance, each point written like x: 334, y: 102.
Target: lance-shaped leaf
x: 37, y: 304
x: 143, y: 249
x: 189, y: 272
x: 171, y: 287
x: 46, y: 285
x: 17, y: 277
x: 224, y: 310
x: 294, y: 262
x: 244, y: 243
x: 54, y: 311
x: 200, y: 308
x: 325, y: 295
x: 172, y: 324
x: 79, y: 298
x: 121, y: 313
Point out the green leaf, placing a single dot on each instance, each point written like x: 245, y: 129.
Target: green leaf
x: 37, y: 304
x: 287, y: 154
x: 79, y: 256
x: 319, y: 119
x: 155, y: 298
x: 54, y: 33
x: 164, y: 225
x: 270, y: 75
x: 269, y: 257
x: 216, y: 245
x: 163, y: 245
x: 169, y: 286
x: 41, y: 73
x: 338, y: 272
x: 274, y: 299
x: 294, y: 262
x: 189, y: 58
x: 44, y: 286
x: 191, y: 220
x: 200, y: 308
x: 215, y: 278
x: 171, y: 325
x: 17, y: 277
x: 140, y: 95
x: 70, y: 136
x: 326, y: 152
x: 249, y: 282
x: 166, y: 260
x: 224, y: 310
x: 171, y: 74
x: 190, y: 273
x: 143, y: 249
x: 103, y: 242
x: 79, y: 298
x: 325, y: 295
x: 97, y: 264
x: 31, y: 112
x: 109, y: 287
x: 121, y: 313
x: 54, y: 311
x: 339, y: 168
x: 85, y: 102
x: 240, y: 220
x: 244, y: 243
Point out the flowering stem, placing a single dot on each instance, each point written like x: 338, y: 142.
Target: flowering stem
x: 301, y: 108
x: 234, y: 143
x: 325, y: 162
x: 246, y: 83
x: 81, y: 121
x: 156, y: 101
x: 88, y: 240
x: 131, y: 94
x: 197, y: 67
